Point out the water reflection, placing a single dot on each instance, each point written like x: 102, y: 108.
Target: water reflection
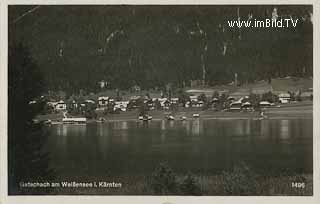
x: 190, y: 145
x: 186, y: 126
x: 171, y: 124
x: 163, y: 124
x: 196, y: 128
x: 265, y: 129
x: 65, y: 130
x: 163, y: 137
x: 248, y: 127
x: 101, y: 130
x: 284, y: 129
x: 120, y: 125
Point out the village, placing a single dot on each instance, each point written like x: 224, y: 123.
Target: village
x: 251, y: 101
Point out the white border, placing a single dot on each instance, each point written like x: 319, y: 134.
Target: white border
x: 156, y: 199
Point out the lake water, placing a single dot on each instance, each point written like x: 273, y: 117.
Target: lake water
x: 199, y: 146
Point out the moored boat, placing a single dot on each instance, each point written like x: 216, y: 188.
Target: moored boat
x: 170, y: 117
x: 196, y: 115
x: 74, y: 120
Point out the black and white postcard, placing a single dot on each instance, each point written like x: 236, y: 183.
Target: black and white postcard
x: 175, y: 101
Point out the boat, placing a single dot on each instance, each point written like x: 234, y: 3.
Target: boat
x: 74, y: 120
x: 145, y: 117
x: 101, y: 120
x: 196, y: 115
x: 56, y: 123
x: 170, y: 117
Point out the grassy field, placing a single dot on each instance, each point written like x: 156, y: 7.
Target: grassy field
x: 292, y: 110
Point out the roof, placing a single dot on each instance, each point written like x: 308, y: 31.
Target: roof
x: 90, y: 101
x: 103, y: 98
x: 135, y: 97
x: 236, y: 103
x: 284, y: 95
x: 246, y: 104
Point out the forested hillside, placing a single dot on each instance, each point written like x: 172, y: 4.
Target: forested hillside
x: 151, y: 46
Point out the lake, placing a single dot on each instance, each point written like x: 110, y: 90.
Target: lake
x: 198, y: 146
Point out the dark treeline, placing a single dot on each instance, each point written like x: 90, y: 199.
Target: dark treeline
x: 151, y: 46
x: 28, y: 161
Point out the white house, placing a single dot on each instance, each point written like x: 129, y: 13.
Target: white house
x: 264, y: 104
x: 284, y: 97
x: 247, y: 106
x: 162, y: 100
x: 61, y: 105
x: 235, y: 106
x: 174, y: 100
x: 194, y: 98
x: 103, y: 100
x: 122, y: 105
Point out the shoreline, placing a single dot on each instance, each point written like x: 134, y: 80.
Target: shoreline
x: 286, y: 111
x: 187, y: 120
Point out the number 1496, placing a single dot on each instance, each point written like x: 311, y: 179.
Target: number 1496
x: 298, y: 185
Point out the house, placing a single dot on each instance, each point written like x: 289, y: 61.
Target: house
x: 264, y: 104
x: 60, y: 106
x: 122, y: 105
x: 247, y: 106
x: 231, y: 98
x: 72, y: 104
x: 214, y: 103
x: 134, y: 98
x: 200, y: 104
x: 194, y: 98
x: 284, y: 97
x: 166, y: 104
x: 174, y: 100
x: 103, y: 101
x: 215, y: 100
x: 196, y: 103
x: 150, y: 104
x: 162, y: 100
x: 235, y: 106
